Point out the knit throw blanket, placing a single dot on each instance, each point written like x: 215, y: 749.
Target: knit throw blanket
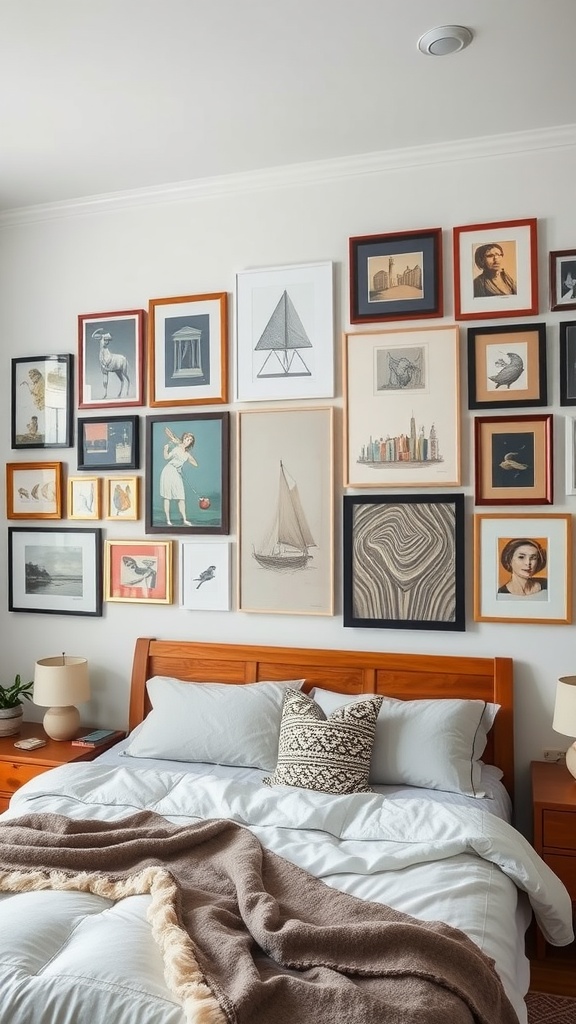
x: 247, y: 937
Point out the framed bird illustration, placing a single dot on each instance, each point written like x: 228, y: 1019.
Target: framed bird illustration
x: 507, y: 366
x: 513, y: 460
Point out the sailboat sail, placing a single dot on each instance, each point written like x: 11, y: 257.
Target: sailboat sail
x: 287, y: 544
x: 283, y: 337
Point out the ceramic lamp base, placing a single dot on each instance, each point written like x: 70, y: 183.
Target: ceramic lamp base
x: 62, y: 723
x: 571, y: 760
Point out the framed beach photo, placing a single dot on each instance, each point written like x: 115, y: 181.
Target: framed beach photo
x: 570, y: 430
x: 83, y: 497
x: 507, y: 366
x: 205, y: 576
x: 57, y: 570
x: 404, y: 561
x: 402, y: 408
x: 568, y: 362
x: 42, y: 401
x: 33, y: 490
x: 284, y: 333
x: 138, y: 571
x: 513, y: 461
x: 111, y: 359
x: 286, y: 515
x: 109, y: 442
x: 396, y: 276
x: 121, y: 497
x: 523, y: 568
x: 496, y: 270
x: 188, y: 350
x: 563, y: 279
x: 187, y: 473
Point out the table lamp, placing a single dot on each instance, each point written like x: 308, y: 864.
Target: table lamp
x: 565, y: 716
x: 59, y: 684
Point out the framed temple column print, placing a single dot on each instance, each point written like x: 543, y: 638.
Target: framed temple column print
x: 188, y: 350
x: 496, y: 270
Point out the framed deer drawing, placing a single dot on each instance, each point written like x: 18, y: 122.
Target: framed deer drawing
x: 110, y: 359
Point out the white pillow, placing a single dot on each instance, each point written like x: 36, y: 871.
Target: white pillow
x: 433, y: 744
x: 215, y: 723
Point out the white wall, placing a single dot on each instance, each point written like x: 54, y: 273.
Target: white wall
x: 57, y: 263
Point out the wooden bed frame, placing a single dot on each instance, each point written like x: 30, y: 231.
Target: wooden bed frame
x: 404, y: 676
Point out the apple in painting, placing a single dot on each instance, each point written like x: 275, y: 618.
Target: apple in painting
x: 204, y: 502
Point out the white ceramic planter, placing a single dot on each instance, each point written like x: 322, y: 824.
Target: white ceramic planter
x: 11, y: 720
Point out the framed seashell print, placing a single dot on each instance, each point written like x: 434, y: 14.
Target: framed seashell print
x: 33, y: 490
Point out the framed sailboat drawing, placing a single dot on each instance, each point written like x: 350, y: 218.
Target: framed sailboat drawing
x: 284, y: 333
x: 286, y: 511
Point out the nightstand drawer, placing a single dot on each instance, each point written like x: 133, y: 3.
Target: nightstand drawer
x: 559, y: 829
x: 565, y: 868
x: 14, y: 775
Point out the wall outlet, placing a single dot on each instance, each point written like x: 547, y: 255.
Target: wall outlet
x: 557, y: 756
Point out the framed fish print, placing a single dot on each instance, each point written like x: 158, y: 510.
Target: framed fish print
x: 563, y: 279
x: 121, y: 497
x: 42, y: 401
x: 286, y: 523
x: 284, y: 333
x: 111, y: 359
x: 417, y: 583
x: 205, y: 576
x: 56, y: 570
x: 188, y: 350
x: 496, y: 270
x: 568, y: 362
x: 138, y: 571
x: 513, y: 460
x: 33, y: 490
x: 396, y: 276
x: 507, y: 366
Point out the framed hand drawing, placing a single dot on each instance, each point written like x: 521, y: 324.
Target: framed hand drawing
x: 402, y: 408
x: 285, y: 481
x: 507, y: 366
x: 188, y: 350
x: 523, y: 568
x: 284, y: 333
x: 111, y: 359
x: 205, y: 576
x: 513, y: 460
x: 109, y: 442
x: 33, y: 490
x: 57, y: 570
x: 42, y: 389
x: 568, y: 362
x: 83, y: 497
x: 396, y: 276
x: 496, y: 270
x: 121, y: 497
x: 138, y: 571
x: 563, y: 279
x: 404, y: 561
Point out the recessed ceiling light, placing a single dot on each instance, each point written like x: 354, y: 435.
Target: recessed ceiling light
x: 438, y: 42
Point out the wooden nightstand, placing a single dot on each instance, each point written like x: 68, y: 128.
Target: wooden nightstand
x: 18, y: 766
x: 554, y: 810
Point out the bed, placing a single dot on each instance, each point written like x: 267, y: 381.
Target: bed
x: 428, y: 835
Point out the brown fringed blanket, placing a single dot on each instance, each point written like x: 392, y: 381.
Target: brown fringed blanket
x: 247, y: 937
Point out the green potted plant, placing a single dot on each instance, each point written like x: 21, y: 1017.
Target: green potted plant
x: 11, y: 706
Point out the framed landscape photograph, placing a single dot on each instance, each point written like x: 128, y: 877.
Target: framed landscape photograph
x: 513, y: 460
x: 138, y: 571
x: 402, y: 408
x: 396, y: 276
x: 111, y: 359
x: 57, y: 570
x: 83, y: 497
x: 404, y: 561
x: 205, y: 576
x: 33, y: 490
x: 109, y: 442
x: 563, y: 279
x: 42, y: 401
x: 188, y: 350
x: 121, y: 497
x: 568, y: 362
x: 507, y: 366
x: 523, y: 568
x: 285, y: 333
x: 496, y: 270
x: 187, y: 473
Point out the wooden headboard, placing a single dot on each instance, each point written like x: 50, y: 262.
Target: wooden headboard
x: 405, y: 676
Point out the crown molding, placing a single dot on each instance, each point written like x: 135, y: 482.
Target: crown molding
x: 289, y: 175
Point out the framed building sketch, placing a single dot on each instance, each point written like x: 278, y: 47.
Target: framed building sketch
x: 42, y: 401
x: 188, y: 350
x: 33, y: 490
x: 523, y: 568
x: 111, y: 359
x: 563, y: 279
x: 496, y: 270
x: 404, y: 561
x: 507, y: 366
x: 205, y: 576
x: 286, y: 523
x: 396, y: 276
x: 402, y: 408
x: 57, y: 570
x: 284, y: 333
x: 138, y: 571
x: 513, y: 460
x: 568, y: 362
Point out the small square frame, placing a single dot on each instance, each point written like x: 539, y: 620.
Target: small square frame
x: 109, y: 442
x: 568, y: 362
x: 563, y: 279
x: 121, y: 497
x: 42, y: 401
x: 33, y: 490
x: 205, y: 576
x: 396, y: 276
x: 138, y: 571
x: 188, y: 350
x: 56, y: 570
x: 513, y: 463
x: 111, y: 359
x: 517, y: 242
x: 83, y: 497
x: 507, y: 366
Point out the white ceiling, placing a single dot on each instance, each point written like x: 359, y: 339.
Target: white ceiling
x: 100, y: 96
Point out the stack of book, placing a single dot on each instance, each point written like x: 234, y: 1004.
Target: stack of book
x: 99, y: 737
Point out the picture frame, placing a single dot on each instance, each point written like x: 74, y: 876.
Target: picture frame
x: 55, y: 570
x: 33, y: 490
x: 138, y: 571
x: 285, y: 333
x: 570, y: 454
x: 205, y: 576
x: 515, y: 551
x: 496, y: 269
x: 415, y: 584
x: 507, y: 366
x: 563, y: 279
x: 285, y: 511
x: 188, y: 350
x: 122, y: 497
x: 109, y: 442
x: 513, y: 460
x: 396, y: 276
x: 84, y: 497
x: 42, y: 406
x: 187, y: 484
x: 402, y: 408
x: 111, y: 359
x: 568, y: 362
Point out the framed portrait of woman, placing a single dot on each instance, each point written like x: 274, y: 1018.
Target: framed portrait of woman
x: 495, y: 270
x: 523, y: 566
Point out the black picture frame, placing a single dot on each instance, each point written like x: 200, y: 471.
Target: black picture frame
x: 55, y: 570
x: 507, y: 366
x: 108, y: 442
x: 568, y: 362
x: 404, y: 561
x: 42, y: 401
x: 419, y: 294
x: 563, y: 279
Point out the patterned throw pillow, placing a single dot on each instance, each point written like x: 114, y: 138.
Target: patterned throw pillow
x: 329, y: 755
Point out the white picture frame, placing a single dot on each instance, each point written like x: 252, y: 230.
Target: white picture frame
x: 205, y: 576
x: 570, y: 422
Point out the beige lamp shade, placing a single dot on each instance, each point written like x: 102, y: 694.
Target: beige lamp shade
x: 59, y: 684
x: 564, y: 720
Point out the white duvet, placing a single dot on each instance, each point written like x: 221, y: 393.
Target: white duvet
x: 74, y: 956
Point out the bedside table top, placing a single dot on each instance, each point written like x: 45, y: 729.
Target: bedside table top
x: 553, y: 785
x: 54, y: 753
